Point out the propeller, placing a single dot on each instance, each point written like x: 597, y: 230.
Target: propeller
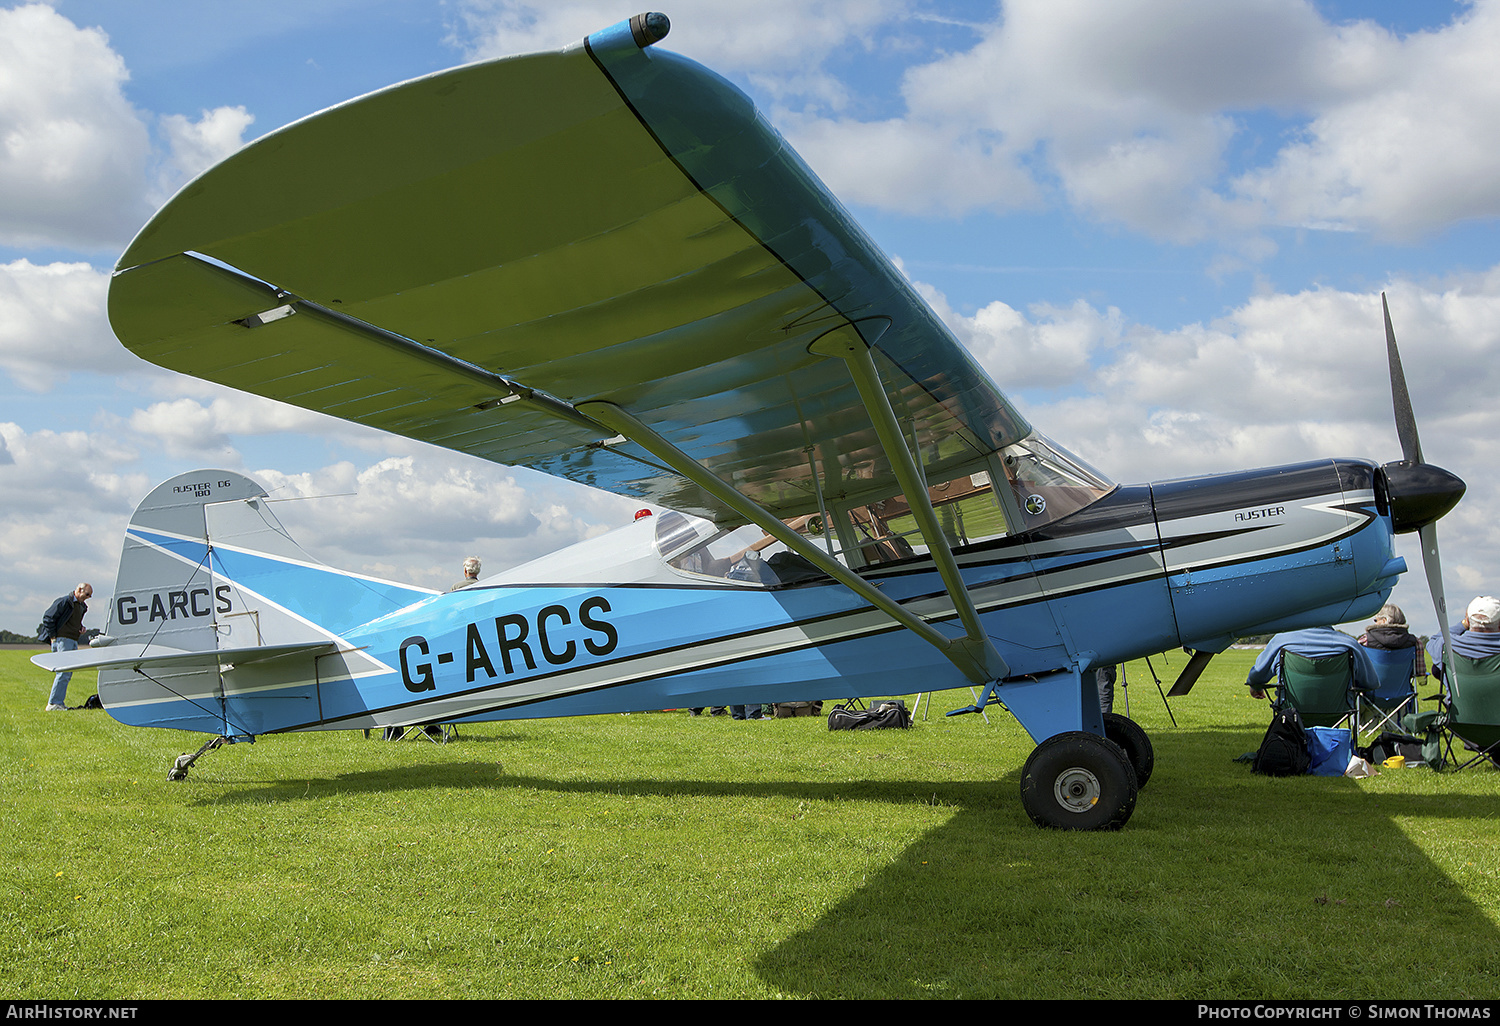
x: 1419, y: 492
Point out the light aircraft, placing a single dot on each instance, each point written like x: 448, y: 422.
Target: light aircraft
x: 604, y: 264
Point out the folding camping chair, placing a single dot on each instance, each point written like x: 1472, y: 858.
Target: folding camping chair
x: 1384, y: 706
x: 1318, y: 688
x: 1471, y: 710
x: 437, y: 733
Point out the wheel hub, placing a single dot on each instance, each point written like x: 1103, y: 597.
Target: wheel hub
x: 1076, y: 789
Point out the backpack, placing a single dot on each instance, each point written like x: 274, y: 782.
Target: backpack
x: 1283, y: 751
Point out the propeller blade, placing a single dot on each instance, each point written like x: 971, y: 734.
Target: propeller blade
x: 1433, y: 565
x: 1406, y: 421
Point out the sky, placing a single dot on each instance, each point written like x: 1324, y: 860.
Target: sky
x: 1163, y: 227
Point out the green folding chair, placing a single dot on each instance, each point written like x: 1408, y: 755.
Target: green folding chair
x: 1471, y: 710
x: 1320, y: 689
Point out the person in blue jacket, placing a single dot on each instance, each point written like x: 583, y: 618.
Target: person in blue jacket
x: 1315, y: 643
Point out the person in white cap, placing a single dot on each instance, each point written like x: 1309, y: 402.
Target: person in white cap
x: 1477, y: 637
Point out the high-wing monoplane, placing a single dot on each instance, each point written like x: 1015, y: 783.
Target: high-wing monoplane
x: 603, y: 263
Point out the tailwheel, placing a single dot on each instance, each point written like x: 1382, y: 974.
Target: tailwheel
x: 1079, y: 781
x: 1132, y: 737
x: 183, y: 763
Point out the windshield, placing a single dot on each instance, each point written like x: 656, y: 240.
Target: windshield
x: 1048, y: 481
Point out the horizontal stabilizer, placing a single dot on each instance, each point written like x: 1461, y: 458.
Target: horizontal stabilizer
x: 160, y: 655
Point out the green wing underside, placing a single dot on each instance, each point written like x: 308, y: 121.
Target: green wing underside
x: 602, y: 223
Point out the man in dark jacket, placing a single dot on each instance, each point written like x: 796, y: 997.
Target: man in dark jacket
x: 62, y: 625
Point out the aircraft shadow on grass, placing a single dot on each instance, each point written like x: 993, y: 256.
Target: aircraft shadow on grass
x: 1336, y: 883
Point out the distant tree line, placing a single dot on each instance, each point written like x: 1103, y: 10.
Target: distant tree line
x: 12, y: 638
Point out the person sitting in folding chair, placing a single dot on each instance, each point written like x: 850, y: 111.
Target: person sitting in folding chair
x: 1476, y: 637
x: 1399, y: 660
x: 1470, y: 710
x: 1388, y: 631
x: 1314, y: 643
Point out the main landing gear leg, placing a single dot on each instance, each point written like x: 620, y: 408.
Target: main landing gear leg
x: 1089, y: 767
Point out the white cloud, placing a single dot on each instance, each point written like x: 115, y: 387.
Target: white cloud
x: 779, y: 44
x: 737, y: 35
x: 1136, y: 113
x: 1283, y: 377
x: 73, y: 152
x: 64, y: 510
x: 52, y: 323
x: 416, y: 518
x: 198, y: 145
x: 1410, y: 153
x: 187, y: 428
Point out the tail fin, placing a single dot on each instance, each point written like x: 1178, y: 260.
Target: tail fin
x: 221, y: 622
x: 206, y: 563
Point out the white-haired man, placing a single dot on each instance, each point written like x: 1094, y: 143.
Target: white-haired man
x: 62, y: 627
x: 471, y: 573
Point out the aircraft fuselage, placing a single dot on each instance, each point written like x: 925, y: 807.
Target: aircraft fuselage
x: 1194, y: 562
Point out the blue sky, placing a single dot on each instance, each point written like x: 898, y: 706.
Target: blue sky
x: 1163, y: 228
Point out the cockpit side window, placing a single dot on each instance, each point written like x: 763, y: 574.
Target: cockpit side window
x: 967, y: 511
x: 744, y: 555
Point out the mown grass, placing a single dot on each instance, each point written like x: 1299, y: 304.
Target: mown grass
x: 656, y: 855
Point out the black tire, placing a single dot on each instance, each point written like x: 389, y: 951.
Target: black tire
x: 1132, y: 737
x: 1078, y: 781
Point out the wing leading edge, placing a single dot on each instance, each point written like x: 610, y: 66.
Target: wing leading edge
x: 467, y: 257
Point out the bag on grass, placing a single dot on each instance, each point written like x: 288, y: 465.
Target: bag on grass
x: 888, y: 713
x: 1391, y: 743
x: 1283, y: 751
x: 1329, y: 750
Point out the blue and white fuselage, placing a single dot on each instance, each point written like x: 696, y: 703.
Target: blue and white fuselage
x: 609, y: 625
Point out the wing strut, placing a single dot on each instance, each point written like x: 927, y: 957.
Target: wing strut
x: 506, y: 389
x: 846, y: 344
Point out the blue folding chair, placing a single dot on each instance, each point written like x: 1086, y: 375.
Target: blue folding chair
x: 1383, y: 706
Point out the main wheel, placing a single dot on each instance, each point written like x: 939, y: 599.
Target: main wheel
x: 1132, y: 737
x: 1078, y: 781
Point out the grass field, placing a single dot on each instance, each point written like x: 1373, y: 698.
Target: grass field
x: 658, y: 855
